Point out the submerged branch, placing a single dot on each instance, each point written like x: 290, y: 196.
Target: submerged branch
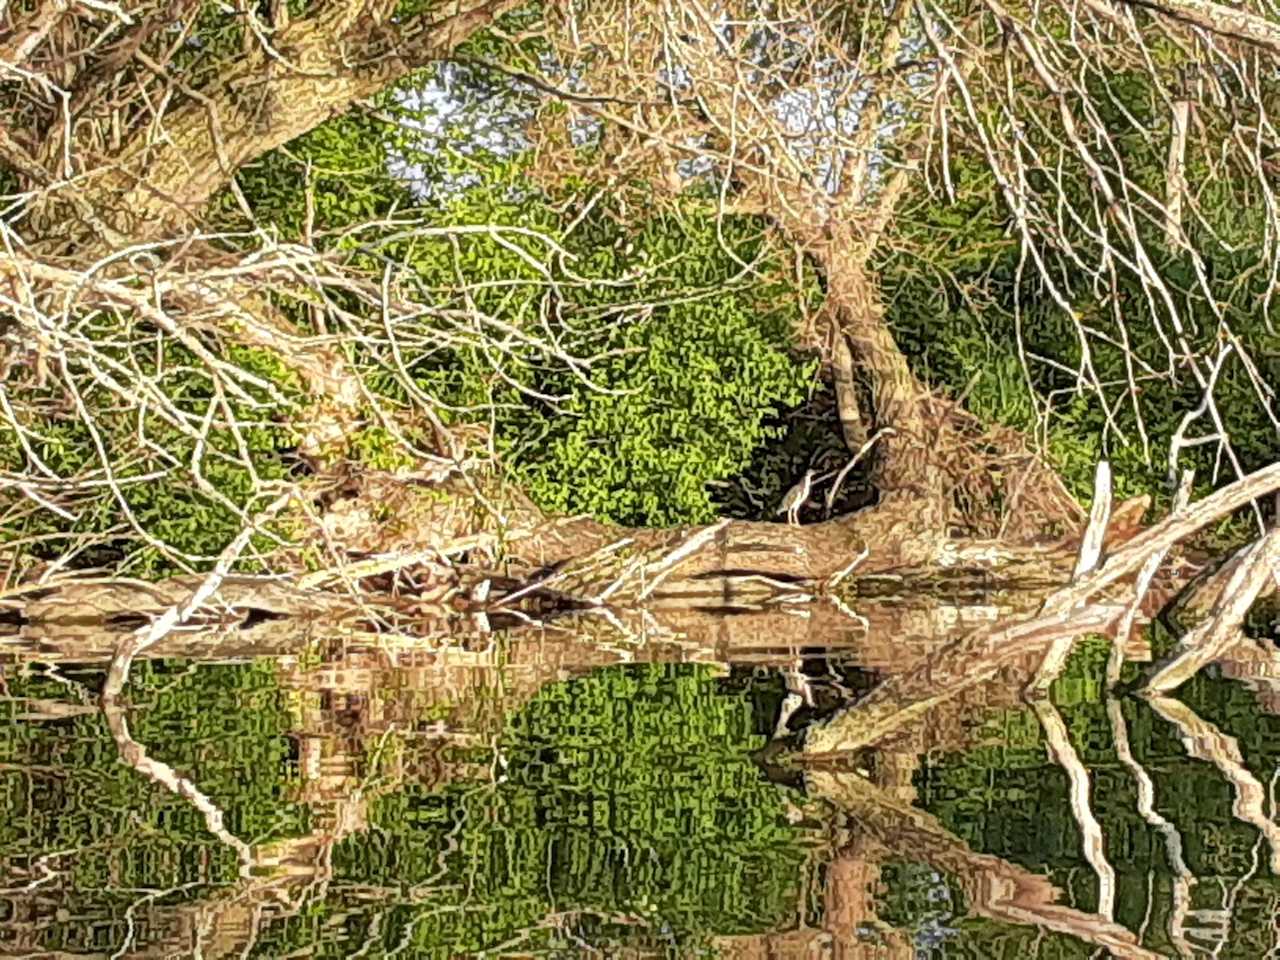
x: 1086, y: 561
x: 957, y: 667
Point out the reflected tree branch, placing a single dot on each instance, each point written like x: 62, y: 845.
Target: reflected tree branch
x: 1085, y: 605
x: 996, y: 889
x: 1204, y: 741
x: 1183, y: 880
x: 132, y: 752
x: 1064, y: 754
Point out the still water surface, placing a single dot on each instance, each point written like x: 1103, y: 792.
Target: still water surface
x: 540, y: 803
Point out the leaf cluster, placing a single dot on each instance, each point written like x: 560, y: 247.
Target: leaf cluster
x: 623, y: 359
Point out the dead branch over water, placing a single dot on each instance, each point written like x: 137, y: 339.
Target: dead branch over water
x: 1085, y: 605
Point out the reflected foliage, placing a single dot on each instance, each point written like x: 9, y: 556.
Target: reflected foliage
x: 1005, y: 797
x: 96, y: 837
x: 626, y: 811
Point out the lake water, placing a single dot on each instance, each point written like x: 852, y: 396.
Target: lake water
x: 536, y: 799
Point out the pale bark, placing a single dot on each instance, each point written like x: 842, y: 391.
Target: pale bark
x: 1175, y: 171
x: 1183, y: 878
x: 1251, y: 573
x: 1064, y: 755
x: 165, y: 175
x: 1214, y: 17
x: 1084, y: 605
x: 1204, y: 741
x: 16, y: 48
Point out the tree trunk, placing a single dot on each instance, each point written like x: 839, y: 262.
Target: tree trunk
x: 166, y: 173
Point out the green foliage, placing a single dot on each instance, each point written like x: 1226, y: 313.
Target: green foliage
x: 626, y: 805
x: 341, y: 164
x: 687, y: 406
x: 377, y: 447
x: 977, y: 938
x: 173, y: 508
x: 624, y: 379
x: 681, y: 392
x: 621, y: 378
x: 969, y: 307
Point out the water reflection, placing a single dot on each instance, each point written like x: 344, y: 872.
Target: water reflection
x: 537, y: 797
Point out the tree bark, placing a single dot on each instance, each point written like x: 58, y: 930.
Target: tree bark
x: 320, y: 66
x: 1214, y: 17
